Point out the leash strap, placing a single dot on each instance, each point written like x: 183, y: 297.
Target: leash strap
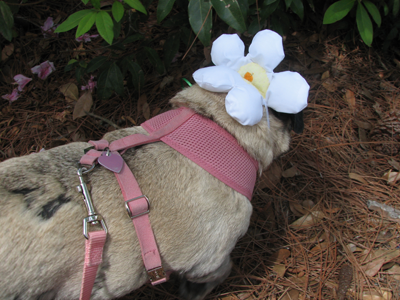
x: 93, y: 257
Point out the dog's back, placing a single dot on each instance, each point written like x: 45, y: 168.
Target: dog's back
x: 196, y: 218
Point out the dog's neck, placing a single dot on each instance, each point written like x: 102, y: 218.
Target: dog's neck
x: 262, y: 142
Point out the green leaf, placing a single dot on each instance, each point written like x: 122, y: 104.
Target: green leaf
x: 268, y: 9
x: 86, y: 23
x: 288, y: 3
x: 171, y: 47
x: 163, y: 9
x: 109, y: 80
x: 85, y: 1
x: 95, y: 63
x: 244, y: 8
x: 104, y: 25
x: 396, y: 6
x: 79, y: 71
x: 374, y: 12
x: 117, y: 11
x: 95, y: 3
x: 298, y: 8
x: 364, y: 24
x: 137, y: 74
x: 385, y: 9
x: 338, y: 11
x: 6, y: 21
x: 73, y: 20
x: 154, y: 59
x: 229, y: 11
x: 71, y: 64
x: 136, y: 5
x: 133, y: 38
x: 6, y: 15
x: 198, y: 14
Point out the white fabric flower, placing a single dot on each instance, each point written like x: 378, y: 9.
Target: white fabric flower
x: 249, y: 80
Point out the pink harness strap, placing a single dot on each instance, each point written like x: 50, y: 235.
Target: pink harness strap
x: 196, y: 137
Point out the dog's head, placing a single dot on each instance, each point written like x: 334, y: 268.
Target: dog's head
x: 262, y: 141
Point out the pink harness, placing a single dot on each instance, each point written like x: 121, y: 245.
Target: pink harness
x: 196, y: 137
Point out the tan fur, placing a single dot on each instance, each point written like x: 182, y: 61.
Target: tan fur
x: 196, y: 218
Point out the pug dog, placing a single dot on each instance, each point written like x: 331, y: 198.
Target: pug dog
x: 196, y: 218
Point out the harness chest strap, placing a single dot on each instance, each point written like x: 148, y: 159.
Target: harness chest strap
x: 166, y: 127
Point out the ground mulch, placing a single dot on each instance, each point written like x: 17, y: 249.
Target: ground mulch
x: 316, y: 232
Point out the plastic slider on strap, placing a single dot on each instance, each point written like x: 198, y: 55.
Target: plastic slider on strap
x: 157, y: 275
x: 140, y: 208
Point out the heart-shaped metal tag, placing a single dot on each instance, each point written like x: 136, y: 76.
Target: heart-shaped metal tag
x: 112, y: 161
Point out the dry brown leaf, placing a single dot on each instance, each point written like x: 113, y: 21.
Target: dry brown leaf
x: 357, y: 177
x: 146, y: 110
x: 351, y: 99
x: 142, y: 99
x: 279, y: 256
x: 374, y: 295
x: 7, y: 51
x: 330, y: 85
x: 391, y: 177
x: 290, y: 172
x: 363, y: 125
x: 394, y: 164
x: 308, y: 220
x: 379, y: 258
x: 320, y: 247
x: 70, y: 90
x: 279, y: 269
x: 395, y: 271
x: 166, y: 81
x: 291, y: 295
x: 325, y: 75
x: 83, y: 104
x: 297, y: 209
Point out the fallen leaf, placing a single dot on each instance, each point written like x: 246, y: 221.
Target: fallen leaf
x: 325, y: 75
x: 357, y: 177
x: 320, y: 247
x: 61, y: 115
x: 271, y: 177
x: 146, y: 110
x: 166, y: 81
x: 329, y: 85
x: 363, y: 125
x: 372, y: 295
x: 351, y: 99
x: 297, y: 209
x: 279, y: 256
x: 394, y: 164
x: 290, y: 172
x: 391, y: 177
x: 84, y: 103
x: 377, y: 259
x: 395, y: 271
x: 70, y: 90
x: 308, y: 220
x: 279, y: 269
x: 291, y: 295
x: 7, y: 51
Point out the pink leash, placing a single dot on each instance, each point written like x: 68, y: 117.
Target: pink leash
x: 238, y: 171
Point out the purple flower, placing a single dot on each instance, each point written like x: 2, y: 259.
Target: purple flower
x: 91, y: 84
x: 11, y: 97
x: 44, y: 69
x: 21, y: 80
x: 86, y: 37
x: 48, y: 28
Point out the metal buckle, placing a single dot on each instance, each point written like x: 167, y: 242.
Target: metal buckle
x: 141, y: 214
x: 92, y: 218
x: 156, y: 274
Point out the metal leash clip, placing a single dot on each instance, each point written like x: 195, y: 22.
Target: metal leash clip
x: 92, y: 217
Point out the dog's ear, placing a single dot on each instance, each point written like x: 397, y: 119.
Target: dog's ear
x: 297, y: 122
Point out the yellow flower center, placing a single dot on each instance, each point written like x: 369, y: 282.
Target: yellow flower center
x: 255, y: 75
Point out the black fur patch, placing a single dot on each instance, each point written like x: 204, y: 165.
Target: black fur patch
x: 49, y: 209
x: 296, y: 120
x: 24, y: 191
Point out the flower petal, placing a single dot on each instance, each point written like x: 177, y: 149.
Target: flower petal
x: 288, y: 92
x: 266, y: 49
x: 217, y: 78
x: 21, y: 80
x: 245, y: 104
x: 228, y: 51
